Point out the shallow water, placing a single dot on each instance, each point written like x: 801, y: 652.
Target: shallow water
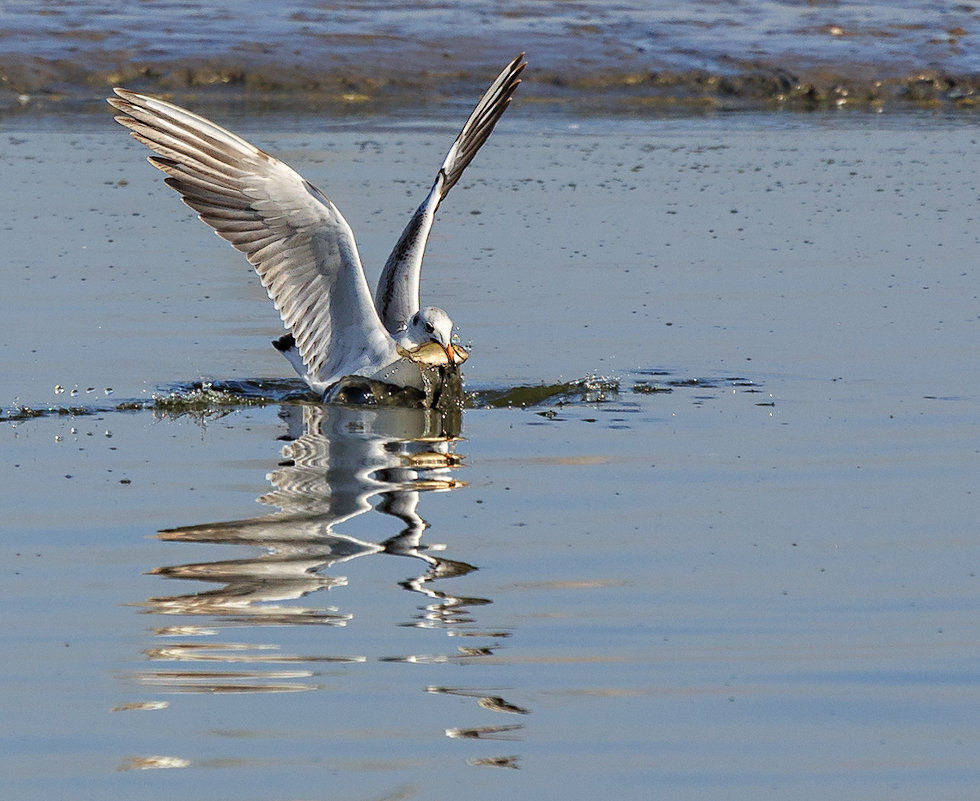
x: 742, y: 565
x: 690, y: 35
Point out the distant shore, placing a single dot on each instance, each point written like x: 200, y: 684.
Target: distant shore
x: 358, y: 58
x: 393, y: 81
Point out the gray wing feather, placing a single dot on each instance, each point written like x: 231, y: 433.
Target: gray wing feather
x: 297, y: 240
x: 397, y: 295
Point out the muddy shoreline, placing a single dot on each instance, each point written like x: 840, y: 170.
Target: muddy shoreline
x: 361, y: 56
x: 258, y: 83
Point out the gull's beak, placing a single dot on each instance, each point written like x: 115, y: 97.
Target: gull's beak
x: 451, y: 353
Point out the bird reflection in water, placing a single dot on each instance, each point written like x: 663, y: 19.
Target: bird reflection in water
x: 339, y: 462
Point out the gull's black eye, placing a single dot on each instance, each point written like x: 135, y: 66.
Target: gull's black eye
x: 428, y: 328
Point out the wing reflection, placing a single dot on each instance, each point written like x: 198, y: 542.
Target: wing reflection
x: 336, y: 461
x: 338, y: 464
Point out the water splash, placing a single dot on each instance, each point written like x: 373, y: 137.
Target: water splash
x: 590, y: 390
x: 214, y: 399
x: 218, y: 398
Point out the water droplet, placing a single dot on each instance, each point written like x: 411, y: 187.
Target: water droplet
x: 58, y: 389
x: 108, y: 390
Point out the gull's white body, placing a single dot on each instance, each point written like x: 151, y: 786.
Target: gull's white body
x: 302, y: 247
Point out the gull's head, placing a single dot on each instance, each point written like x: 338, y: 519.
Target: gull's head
x: 430, y: 324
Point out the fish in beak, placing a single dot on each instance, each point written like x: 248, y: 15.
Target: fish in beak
x: 434, y: 354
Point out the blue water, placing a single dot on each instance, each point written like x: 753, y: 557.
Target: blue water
x: 858, y: 39
x: 742, y: 565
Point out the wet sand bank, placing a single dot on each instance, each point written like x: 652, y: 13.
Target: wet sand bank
x: 393, y: 83
x: 633, y: 57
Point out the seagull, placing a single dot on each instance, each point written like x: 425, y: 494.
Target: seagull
x: 304, y: 250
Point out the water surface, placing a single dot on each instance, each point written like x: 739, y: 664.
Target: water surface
x: 739, y: 561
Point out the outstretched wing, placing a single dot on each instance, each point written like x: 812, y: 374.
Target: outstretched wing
x: 297, y: 240
x: 397, y: 295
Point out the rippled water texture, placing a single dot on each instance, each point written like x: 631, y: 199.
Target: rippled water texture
x: 705, y: 530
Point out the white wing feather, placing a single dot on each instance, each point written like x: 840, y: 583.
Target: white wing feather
x: 397, y: 296
x: 297, y: 240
